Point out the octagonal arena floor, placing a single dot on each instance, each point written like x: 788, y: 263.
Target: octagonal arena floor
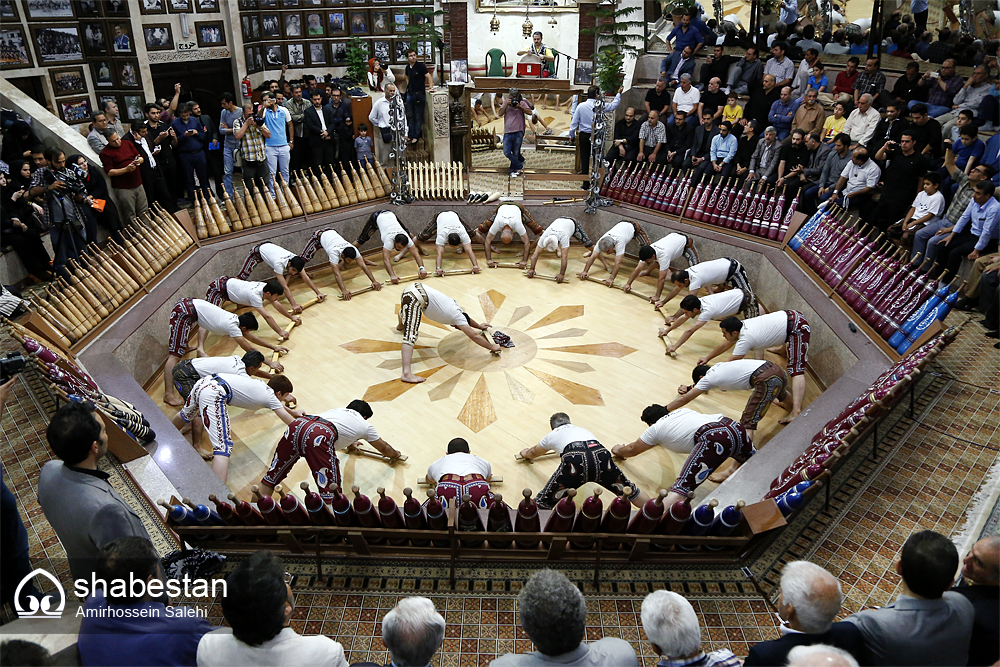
x: 580, y: 348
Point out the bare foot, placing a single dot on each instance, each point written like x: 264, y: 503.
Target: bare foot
x: 175, y: 401
x: 412, y: 379
x: 399, y: 327
x: 207, y: 456
x: 778, y: 350
x: 785, y: 421
x: 720, y: 476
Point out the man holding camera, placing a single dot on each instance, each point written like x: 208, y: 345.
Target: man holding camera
x: 121, y: 162
x: 63, y: 194
x: 280, y: 140
x: 251, y: 132
x: 513, y: 110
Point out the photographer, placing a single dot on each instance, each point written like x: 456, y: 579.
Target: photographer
x: 251, y: 132
x: 121, y: 162
x: 18, y: 223
x: 901, y: 179
x: 63, y: 193
x: 280, y: 140
x: 513, y: 110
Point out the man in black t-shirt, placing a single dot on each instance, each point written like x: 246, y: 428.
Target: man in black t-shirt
x: 717, y: 65
x: 713, y: 100
x: 981, y: 585
x: 792, y: 160
x: 901, y: 179
x: 418, y: 81
x: 658, y: 99
x: 625, y: 145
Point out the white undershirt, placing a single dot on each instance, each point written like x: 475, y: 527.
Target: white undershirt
x: 216, y: 320
x: 442, y: 308
x: 720, y: 305
x: 211, y: 365
x: 669, y: 248
x: 708, y: 273
x: 676, y: 430
x: 388, y: 228
x: 557, y: 439
x: 731, y: 375
x: 334, y: 244
x: 250, y: 393
x: 562, y: 229
x: 762, y: 332
x: 621, y: 234
x: 448, y: 222
x: 276, y: 257
x: 351, y: 426
x: 460, y: 464
x: 245, y: 292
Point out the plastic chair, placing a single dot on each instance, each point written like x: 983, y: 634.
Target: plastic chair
x: 553, y: 67
x: 496, y: 63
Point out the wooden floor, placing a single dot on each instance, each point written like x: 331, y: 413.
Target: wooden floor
x: 580, y: 348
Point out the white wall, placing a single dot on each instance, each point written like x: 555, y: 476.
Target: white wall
x: 562, y: 37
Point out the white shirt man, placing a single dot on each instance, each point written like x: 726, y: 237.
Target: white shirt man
x: 459, y: 473
x: 860, y: 176
x: 283, y: 263
x: 338, y: 250
x: 221, y: 649
x: 675, y: 431
x: 460, y: 464
x: 448, y: 229
x: 665, y: 250
x: 615, y: 240
x: 716, y: 306
x: 555, y: 239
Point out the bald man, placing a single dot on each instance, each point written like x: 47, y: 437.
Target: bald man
x: 505, y: 221
x: 556, y: 239
x: 981, y: 585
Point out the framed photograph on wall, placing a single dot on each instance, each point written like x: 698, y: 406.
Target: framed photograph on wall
x: 292, y: 24
x: 113, y: 8
x: 583, y: 73
x: 425, y: 50
x: 8, y: 12
x: 295, y: 55
x: 291, y: 4
x: 207, y: 6
x: 121, y: 38
x: 103, y: 97
x: 269, y: 26
x: 334, y: 3
x: 314, y: 24
x: 48, y: 10
x: 210, y: 33
x: 272, y: 56
x: 128, y: 73
x: 133, y: 107
x: 16, y: 54
x: 336, y: 24
x: 95, y: 41
x: 380, y: 22
x: 359, y: 22
x: 338, y: 53
x: 157, y: 36
x: 58, y: 44
x: 84, y: 8
x: 399, y: 47
x: 149, y: 7
x: 312, y: 3
x: 75, y: 110
x: 248, y: 55
x: 179, y: 6
x: 269, y: 4
x: 317, y: 53
x: 103, y: 73
x: 245, y: 30
x: 459, y: 71
x: 68, y: 81
x: 400, y: 20
x: 258, y: 57
x: 255, y: 27
x: 382, y: 49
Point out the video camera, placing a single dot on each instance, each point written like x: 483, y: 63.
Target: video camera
x: 10, y: 365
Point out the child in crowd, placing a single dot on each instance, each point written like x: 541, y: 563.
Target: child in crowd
x: 928, y: 205
x: 732, y: 112
x: 820, y: 83
x: 834, y: 124
x: 363, y: 144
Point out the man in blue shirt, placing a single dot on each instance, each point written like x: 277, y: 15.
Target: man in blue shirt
x: 583, y: 121
x: 919, y: 10
x: 278, y: 146
x: 686, y: 35
x: 721, y: 154
x: 230, y: 114
x: 975, y: 233
x: 191, y: 138
x: 783, y: 112
x: 118, y: 629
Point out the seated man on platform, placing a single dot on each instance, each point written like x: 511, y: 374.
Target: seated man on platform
x: 449, y: 228
x: 716, y: 306
x: 710, y: 274
x: 394, y: 237
x: 625, y: 145
x: 652, y: 137
x: 339, y: 251
x: 680, y: 138
x: 808, y: 604
x: 317, y: 439
x: 672, y: 628
x: 459, y: 473
x: 187, y: 373
x: 582, y: 459
x: 507, y: 219
x: 556, y: 238
x: 614, y: 241
x: 553, y: 614
x: 663, y: 253
x: 283, y: 263
x: 251, y: 293
x: 708, y: 440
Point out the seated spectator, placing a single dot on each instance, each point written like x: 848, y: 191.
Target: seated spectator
x: 973, y: 235
x: 818, y: 80
x: 843, y: 85
x: 412, y: 631
x: 925, y: 240
x: 780, y: 66
x: 820, y: 655
x: 672, y: 628
x: 984, y: 267
x: 942, y: 49
x: 834, y: 125
x: 942, y: 87
x: 625, y: 145
x: 809, y: 602
x: 712, y: 101
x: 783, y: 112
x: 969, y: 150
x: 976, y: 96
x: 24, y: 654
x: 810, y: 116
x: 701, y: 147
x: 680, y: 137
x: 805, y: 70
x: 677, y: 64
x: 872, y: 82
x: 747, y: 74
x: 902, y: 49
x: 764, y: 161
x: 835, y: 162
x: 652, y: 137
x: 909, y: 87
x: 745, y: 149
x: 862, y: 121
x: 126, y: 630
x: 927, y: 131
x: 889, y: 128
x: 553, y: 614
x: 927, y: 624
x: 839, y: 45
x: 981, y: 585
x: 857, y: 182
x: 686, y: 100
x: 716, y: 66
x: 733, y: 112
x: 720, y: 155
x: 685, y: 35
x: 808, y: 40
x: 925, y: 210
x: 258, y: 606
x: 658, y: 99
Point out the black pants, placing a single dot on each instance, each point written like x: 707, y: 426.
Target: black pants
x: 889, y: 211
x: 158, y: 191
x: 614, y: 154
x: 169, y: 169
x: 214, y: 160
x: 707, y: 167
x: 31, y: 251
x: 345, y: 148
x: 989, y: 299
x: 950, y: 256
x: 252, y: 171
x: 323, y: 153
x: 301, y: 155
x: 920, y: 18
x: 190, y: 164
x: 583, y: 140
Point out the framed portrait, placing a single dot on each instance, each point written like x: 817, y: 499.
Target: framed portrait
x: 207, y: 6
x: 149, y: 7
x: 16, y: 54
x: 583, y: 73
x: 359, y: 22
x: 418, y: 19
x: 115, y: 7
x: 357, y: 2
x: 460, y: 71
x: 317, y: 53
x: 48, y: 10
x: 382, y: 49
x: 338, y: 53
x: 380, y: 2
x: 269, y: 26
x: 8, y: 12
x: 336, y: 24
x: 380, y: 22
x: 133, y: 107
x: 291, y: 4
x: 245, y: 27
x: 295, y: 54
x: 121, y: 39
x: 269, y: 4
x: 255, y: 27
x: 210, y: 33
x: 128, y: 73
x: 158, y: 36
x: 292, y: 24
x: 425, y: 50
x: 245, y: 5
x: 314, y: 25
x: 84, y: 8
x: 179, y: 6
x: 334, y: 3
x: 68, y: 81
x: 103, y: 72
x: 401, y: 2
x: 95, y: 41
x: 75, y: 110
x: 58, y: 44
x: 312, y: 3
x: 272, y: 56
x: 258, y: 57
x: 400, y: 20
x: 248, y: 55
x: 399, y: 47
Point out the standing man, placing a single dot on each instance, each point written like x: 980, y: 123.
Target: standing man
x: 419, y: 300
x: 685, y: 35
x: 191, y: 150
x: 381, y: 119
x: 63, y: 214
x: 716, y: 306
x: 448, y: 228
x: 319, y: 123
x: 626, y: 142
x: 150, y: 169
x: 227, y: 119
x: 338, y: 251
x: 121, y: 162
x: 252, y: 294
x: 213, y: 156
x: 343, y: 128
x: 283, y: 263
x: 902, y: 178
x: 418, y: 82
x: 460, y: 472
x: 614, y: 241
x: 296, y: 109
x: 110, y: 109
x: 251, y: 133
x: 513, y: 109
x: 583, y: 122
x: 981, y: 586
x: 652, y: 137
x: 96, y: 138
x: 582, y: 459
x: 163, y: 135
x: 556, y: 238
x: 317, y: 439
x: 663, y: 253
x: 278, y: 146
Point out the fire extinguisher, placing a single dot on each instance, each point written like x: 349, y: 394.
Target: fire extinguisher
x: 245, y: 86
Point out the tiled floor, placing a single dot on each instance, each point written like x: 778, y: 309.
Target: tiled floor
x: 923, y: 478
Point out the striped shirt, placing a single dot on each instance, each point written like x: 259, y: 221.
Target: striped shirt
x: 252, y: 143
x: 650, y: 136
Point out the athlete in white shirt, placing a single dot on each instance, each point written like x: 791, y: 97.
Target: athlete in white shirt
x: 251, y: 293
x: 394, y: 237
x: 710, y: 439
x: 582, y: 459
x: 317, y: 438
x: 448, y: 227
x: 418, y: 300
x: 716, y: 306
x: 339, y: 251
x: 189, y: 371
x: 663, y: 252
x: 459, y: 472
x: 614, y: 241
x: 556, y: 238
x: 722, y: 271
x: 283, y: 263
x: 505, y: 221
x: 206, y: 409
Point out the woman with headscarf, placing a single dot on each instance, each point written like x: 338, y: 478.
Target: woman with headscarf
x: 97, y: 188
x: 18, y: 141
x: 17, y: 225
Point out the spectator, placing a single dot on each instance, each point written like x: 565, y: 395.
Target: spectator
x: 686, y: 101
x: 927, y: 131
x: 963, y: 118
x: 318, y: 120
x: 857, y: 182
x: 924, y: 44
x: 18, y: 140
x: 871, y: 81
x: 834, y: 125
x: 903, y: 49
x: 783, y: 112
x: 820, y: 655
x: 981, y: 586
x: 969, y: 150
x: 792, y: 160
x: 744, y: 151
x: 343, y: 128
x: 973, y: 235
x: 685, y: 35
x: 819, y: 153
x: 97, y: 188
x: 96, y: 138
x: 297, y: 105
x: 716, y: 66
x: 764, y: 162
x: 805, y: 71
x: 808, y: 40
x: 150, y: 170
x: 672, y: 628
x: 163, y: 135
x: 781, y: 67
x: 762, y: 98
x: 583, y: 119
x: 84, y: 510
x: 64, y: 216
x: 712, y: 101
x: 258, y: 607
x: 839, y: 45
x: 19, y: 228
x: 789, y: 12
x: 658, y: 99
x: 191, y: 161
x: 919, y: 10
x: 24, y: 654
x: 836, y: 161
x: 677, y: 64
x: 927, y: 624
x: 252, y: 132
x: 926, y: 209
x: 213, y: 156
x: 110, y: 109
x: 412, y: 631
x: 381, y: 119
x: 230, y: 113
x: 121, y: 162
x: 701, y: 146
x: 280, y: 141
x: 889, y: 128
x: 733, y: 112
x: 747, y: 74
x: 862, y: 121
x: 843, y: 85
x: 808, y: 604
x: 363, y: 146
x: 925, y: 240
x: 809, y: 117
x: 652, y: 137
x: 131, y: 630
x: 942, y: 87
x: 418, y: 81
x: 625, y: 145
x: 901, y: 179
x: 975, y: 96
x: 553, y: 614
x: 819, y: 82
x: 942, y: 49
x: 680, y: 138
x: 909, y: 87
x: 859, y: 42
x: 513, y: 110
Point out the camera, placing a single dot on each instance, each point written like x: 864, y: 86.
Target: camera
x: 10, y: 365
